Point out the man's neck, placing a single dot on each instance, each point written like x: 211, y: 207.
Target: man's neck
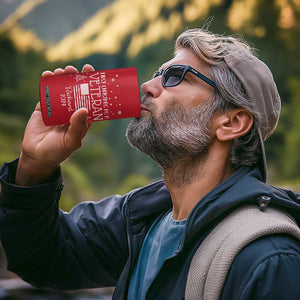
x: 200, y: 177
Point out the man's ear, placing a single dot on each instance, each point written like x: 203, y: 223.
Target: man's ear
x: 233, y: 124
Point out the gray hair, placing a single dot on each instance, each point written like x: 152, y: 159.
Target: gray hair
x: 212, y: 48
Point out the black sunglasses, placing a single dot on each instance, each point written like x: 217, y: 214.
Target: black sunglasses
x: 174, y: 75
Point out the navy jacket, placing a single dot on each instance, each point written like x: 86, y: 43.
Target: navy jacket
x: 98, y: 244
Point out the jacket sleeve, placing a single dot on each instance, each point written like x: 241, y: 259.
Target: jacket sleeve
x: 46, y: 247
x: 268, y: 269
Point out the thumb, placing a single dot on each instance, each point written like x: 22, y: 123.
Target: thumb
x: 77, y: 130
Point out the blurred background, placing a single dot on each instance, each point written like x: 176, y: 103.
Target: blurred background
x: 38, y: 35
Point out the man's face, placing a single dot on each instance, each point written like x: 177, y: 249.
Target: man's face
x: 191, y: 92
x: 175, y: 121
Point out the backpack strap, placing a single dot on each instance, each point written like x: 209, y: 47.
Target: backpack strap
x: 212, y: 260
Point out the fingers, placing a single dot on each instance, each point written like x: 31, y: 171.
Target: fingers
x: 89, y: 124
x: 88, y: 68
x: 68, y: 70
x: 38, y: 106
x: 77, y: 130
x: 58, y: 71
x: 47, y: 74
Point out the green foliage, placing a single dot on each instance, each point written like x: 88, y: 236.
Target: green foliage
x: 106, y: 164
x: 133, y: 181
x: 291, y: 161
x: 77, y: 186
x: 11, y: 130
x: 19, y: 75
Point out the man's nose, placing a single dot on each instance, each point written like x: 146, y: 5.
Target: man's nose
x: 152, y: 88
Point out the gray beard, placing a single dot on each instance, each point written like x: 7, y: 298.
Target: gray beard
x: 176, y: 139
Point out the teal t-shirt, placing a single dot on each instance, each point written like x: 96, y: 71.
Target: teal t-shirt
x: 161, y: 242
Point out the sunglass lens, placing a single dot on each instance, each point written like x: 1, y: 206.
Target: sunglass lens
x: 173, y: 75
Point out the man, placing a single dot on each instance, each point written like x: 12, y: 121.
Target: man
x: 205, y: 114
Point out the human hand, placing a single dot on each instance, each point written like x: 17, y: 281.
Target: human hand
x: 44, y: 148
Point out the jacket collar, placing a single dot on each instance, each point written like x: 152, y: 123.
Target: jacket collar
x: 146, y: 204
x: 243, y: 186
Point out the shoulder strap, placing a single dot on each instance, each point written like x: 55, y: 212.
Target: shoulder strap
x: 212, y: 260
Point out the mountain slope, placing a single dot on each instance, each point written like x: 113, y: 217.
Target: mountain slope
x: 54, y: 19
x: 135, y: 22
x: 74, y: 29
x: 35, y: 24
x: 22, y: 9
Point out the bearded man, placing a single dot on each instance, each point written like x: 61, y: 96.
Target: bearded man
x: 205, y: 116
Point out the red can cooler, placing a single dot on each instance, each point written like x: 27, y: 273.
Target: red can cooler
x: 109, y: 94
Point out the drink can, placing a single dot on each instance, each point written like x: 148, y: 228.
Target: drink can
x: 107, y: 95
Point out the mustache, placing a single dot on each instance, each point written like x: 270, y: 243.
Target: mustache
x: 148, y: 103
